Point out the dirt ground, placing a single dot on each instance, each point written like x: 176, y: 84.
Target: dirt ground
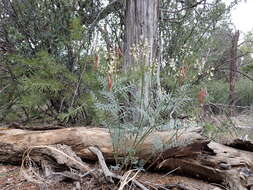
x: 244, y: 120
x: 10, y: 179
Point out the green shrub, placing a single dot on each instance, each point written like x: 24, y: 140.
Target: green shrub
x: 218, y: 91
x: 45, y: 88
x: 124, y: 114
x: 244, y: 91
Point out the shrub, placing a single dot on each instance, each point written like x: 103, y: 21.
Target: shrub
x: 218, y: 91
x: 244, y: 91
x: 127, y: 118
x: 45, y: 88
x: 46, y: 70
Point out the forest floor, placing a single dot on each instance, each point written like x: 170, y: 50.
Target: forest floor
x: 10, y: 178
x: 244, y: 121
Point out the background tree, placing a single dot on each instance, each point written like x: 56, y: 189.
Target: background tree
x: 54, y: 53
x: 233, y: 70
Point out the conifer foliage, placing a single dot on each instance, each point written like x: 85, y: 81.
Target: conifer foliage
x: 45, y: 62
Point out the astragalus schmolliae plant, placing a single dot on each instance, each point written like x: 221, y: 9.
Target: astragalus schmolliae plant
x: 127, y: 121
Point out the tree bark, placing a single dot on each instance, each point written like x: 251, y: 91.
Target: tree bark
x: 13, y: 142
x: 233, y: 71
x: 141, y: 22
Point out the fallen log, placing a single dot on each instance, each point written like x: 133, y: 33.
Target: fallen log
x: 229, y: 166
x: 241, y: 144
x: 186, y: 151
x: 14, y: 142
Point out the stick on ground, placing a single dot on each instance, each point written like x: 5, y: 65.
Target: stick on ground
x: 108, y: 174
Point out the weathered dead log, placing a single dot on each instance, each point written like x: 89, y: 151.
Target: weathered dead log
x: 241, y: 144
x: 13, y: 143
x: 186, y: 150
x: 229, y: 166
x: 56, y: 164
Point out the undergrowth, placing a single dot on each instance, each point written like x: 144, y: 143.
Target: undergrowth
x: 121, y: 112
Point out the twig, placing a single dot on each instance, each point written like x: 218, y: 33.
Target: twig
x: 226, y: 105
x: 77, y: 87
x: 184, y: 8
x: 102, y: 11
x: 4, y: 88
x: 170, y: 172
x: 127, y: 179
x: 219, y: 185
x: 242, y: 73
x: 108, y: 174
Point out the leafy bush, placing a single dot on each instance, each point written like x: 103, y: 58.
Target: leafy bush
x: 46, y: 71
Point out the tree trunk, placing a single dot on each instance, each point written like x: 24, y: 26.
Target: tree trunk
x: 141, y: 22
x: 233, y: 71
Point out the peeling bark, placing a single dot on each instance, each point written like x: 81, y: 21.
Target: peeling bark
x: 230, y: 167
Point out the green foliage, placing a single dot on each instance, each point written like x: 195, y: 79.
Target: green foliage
x: 218, y: 91
x: 40, y: 80
x: 244, y: 91
x: 248, y: 68
x: 76, y: 29
x: 48, y: 70
x: 127, y: 118
x: 46, y: 87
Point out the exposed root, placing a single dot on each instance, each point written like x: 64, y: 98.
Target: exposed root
x: 63, y: 155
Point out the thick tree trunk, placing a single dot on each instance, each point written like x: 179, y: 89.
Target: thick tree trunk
x: 141, y: 22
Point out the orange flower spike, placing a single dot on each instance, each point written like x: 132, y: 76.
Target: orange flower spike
x: 119, y: 52
x: 96, y: 63
x: 202, y: 96
x: 110, y: 82
x: 182, y: 74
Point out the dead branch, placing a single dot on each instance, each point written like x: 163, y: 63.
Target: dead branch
x: 108, y: 174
